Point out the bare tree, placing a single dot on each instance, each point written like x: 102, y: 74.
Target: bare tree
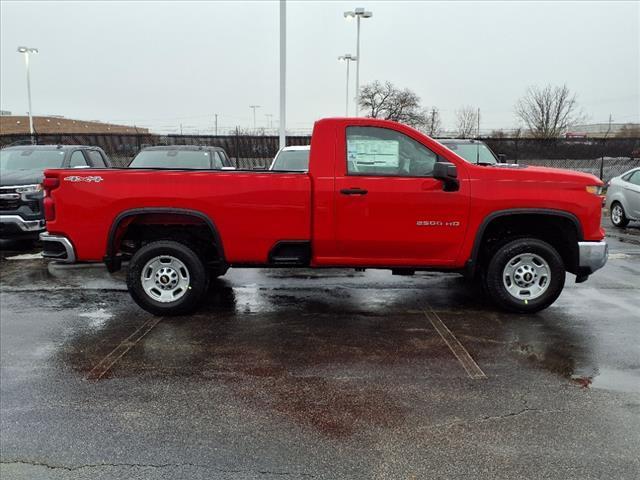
x: 390, y: 103
x: 547, y: 112
x: 466, y: 121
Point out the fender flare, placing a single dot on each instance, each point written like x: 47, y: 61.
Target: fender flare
x: 112, y: 261
x: 472, y: 263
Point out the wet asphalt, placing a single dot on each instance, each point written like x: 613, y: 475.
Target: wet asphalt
x: 325, y: 374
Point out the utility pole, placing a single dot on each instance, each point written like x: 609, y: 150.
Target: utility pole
x: 180, y: 129
x: 433, y: 122
x: 478, y: 131
x: 269, y: 119
x: 283, y: 72
x: 253, y: 107
x: 216, y: 124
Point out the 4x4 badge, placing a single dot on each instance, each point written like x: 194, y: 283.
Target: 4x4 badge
x: 77, y: 178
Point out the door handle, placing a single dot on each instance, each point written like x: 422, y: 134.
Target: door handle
x: 353, y: 191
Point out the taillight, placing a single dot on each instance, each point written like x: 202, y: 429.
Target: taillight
x: 49, y: 183
x: 49, y: 209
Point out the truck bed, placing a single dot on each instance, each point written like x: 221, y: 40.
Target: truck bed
x: 252, y: 210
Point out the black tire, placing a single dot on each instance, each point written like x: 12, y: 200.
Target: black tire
x: 622, y: 221
x: 495, y: 284
x: 194, y: 293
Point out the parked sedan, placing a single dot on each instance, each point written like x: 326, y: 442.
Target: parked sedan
x: 623, y: 198
x: 292, y: 159
x: 183, y: 157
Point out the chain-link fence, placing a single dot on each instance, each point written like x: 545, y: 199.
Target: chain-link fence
x: 604, y: 158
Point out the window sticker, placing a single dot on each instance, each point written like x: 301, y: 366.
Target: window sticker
x: 378, y: 153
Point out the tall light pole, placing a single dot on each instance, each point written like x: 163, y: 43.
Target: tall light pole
x: 28, y: 51
x: 348, y: 58
x: 358, y: 13
x: 283, y: 73
x: 253, y: 107
x: 269, y: 119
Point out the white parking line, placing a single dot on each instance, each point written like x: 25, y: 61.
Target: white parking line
x: 117, y: 353
x: 466, y: 360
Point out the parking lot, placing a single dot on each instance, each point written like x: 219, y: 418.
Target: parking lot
x: 319, y: 374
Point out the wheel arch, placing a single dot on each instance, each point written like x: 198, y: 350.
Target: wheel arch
x: 122, y: 221
x: 517, y: 214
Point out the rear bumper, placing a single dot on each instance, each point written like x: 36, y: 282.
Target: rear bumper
x: 57, y: 248
x: 592, y: 256
x: 15, y: 225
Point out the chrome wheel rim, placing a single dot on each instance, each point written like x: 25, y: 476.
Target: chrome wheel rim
x: 165, y: 278
x: 526, y: 276
x: 616, y: 214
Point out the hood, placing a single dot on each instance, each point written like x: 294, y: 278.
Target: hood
x: 20, y: 177
x: 545, y: 174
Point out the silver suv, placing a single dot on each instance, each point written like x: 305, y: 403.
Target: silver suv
x: 623, y: 198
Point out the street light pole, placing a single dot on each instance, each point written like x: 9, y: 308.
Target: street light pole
x: 347, y: 57
x: 253, y: 107
x: 358, y: 13
x: 283, y: 73
x: 27, y: 51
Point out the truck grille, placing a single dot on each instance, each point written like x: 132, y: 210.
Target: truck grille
x: 9, y: 199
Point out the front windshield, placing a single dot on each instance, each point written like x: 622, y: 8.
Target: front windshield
x: 473, y: 152
x: 30, y: 159
x: 292, y: 160
x: 192, y: 159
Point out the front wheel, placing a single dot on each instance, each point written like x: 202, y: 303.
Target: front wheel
x: 618, y: 217
x: 167, y: 278
x: 525, y: 275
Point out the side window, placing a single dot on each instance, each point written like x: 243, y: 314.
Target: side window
x: 96, y: 159
x: 77, y: 160
x: 379, y: 151
x: 635, y: 178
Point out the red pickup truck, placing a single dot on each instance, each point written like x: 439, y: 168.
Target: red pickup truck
x: 378, y: 194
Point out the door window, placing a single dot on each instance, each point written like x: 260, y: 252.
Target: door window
x: 77, y: 160
x: 376, y: 151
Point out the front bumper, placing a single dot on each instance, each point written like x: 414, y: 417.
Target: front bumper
x: 15, y: 225
x: 592, y: 256
x: 57, y: 248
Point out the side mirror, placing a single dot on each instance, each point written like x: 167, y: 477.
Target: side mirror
x: 448, y: 173
x: 502, y: 158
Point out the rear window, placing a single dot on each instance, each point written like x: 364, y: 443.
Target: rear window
x: 292, y: 160
x: 191, y: 159
x: 30, y: 159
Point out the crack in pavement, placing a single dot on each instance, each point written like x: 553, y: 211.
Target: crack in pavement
x: 147, y: 465
x: 491, y: 418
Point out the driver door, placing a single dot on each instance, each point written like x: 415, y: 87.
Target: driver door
x: 390, y: 211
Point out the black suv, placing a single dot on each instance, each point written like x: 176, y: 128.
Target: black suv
x: 21, y: 173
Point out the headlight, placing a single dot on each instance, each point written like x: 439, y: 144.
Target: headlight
x: 29, y: 188
x: 595, y: 189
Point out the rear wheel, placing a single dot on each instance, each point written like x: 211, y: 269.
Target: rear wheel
x: 167, y: 278
x: 525, y: 275
x: 618, y: 216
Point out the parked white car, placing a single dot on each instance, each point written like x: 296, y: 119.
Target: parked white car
x: 292, y: 159
x: 623, y: 198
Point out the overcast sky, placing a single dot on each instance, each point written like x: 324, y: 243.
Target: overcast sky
x: 160, y: 64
